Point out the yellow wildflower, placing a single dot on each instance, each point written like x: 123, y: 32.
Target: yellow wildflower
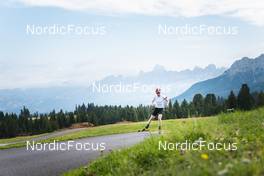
x: 204, y: 156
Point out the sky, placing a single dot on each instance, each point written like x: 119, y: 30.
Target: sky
x: 131, y: 38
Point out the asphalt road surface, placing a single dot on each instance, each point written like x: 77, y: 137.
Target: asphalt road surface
x: 50, y: 162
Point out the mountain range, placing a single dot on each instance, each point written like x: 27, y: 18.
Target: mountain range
x: 111, y: 90
x: 138, y: 89
x: 246, y: 70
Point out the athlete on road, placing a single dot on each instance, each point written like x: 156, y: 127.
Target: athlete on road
x: 159, y: 102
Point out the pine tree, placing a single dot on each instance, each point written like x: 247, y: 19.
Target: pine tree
x: 231, y: 101
x: 220, y: 104
x: 53, y: 121
x: 61, y: 118
x: 184, y: 109
x: 244, y: 99
x: 176, y: 109
x: 2, y: 124
x: 169, y: 111
x: 198, y: 104
x: 209, y: 105
x: 24, y: 120
x: 260, y: 99
x: 71, y: 118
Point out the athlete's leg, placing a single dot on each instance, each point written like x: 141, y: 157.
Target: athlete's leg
x: 160, y: 118
x: 149, y: 121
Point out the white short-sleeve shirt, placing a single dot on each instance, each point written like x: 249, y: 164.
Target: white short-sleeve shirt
x: 159, y: 101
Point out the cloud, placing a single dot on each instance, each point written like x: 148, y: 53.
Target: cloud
x: 250, y: 11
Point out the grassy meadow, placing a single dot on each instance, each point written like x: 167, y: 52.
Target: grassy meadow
x: 246, y: 129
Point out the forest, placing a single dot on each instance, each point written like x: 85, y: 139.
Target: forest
x: 27, y: 123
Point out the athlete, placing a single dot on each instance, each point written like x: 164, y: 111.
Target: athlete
x: 159, y: 102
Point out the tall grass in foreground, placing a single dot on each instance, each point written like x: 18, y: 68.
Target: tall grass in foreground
x: 244, y: 128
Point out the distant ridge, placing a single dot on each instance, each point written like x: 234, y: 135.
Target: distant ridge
x: 66, y: 97
x: 245, y: 70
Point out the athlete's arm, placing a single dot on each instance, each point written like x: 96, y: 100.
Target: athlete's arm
x: 165, y: 98
x: 153, y: 100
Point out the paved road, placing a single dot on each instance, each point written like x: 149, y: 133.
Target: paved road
x: 23, y: 162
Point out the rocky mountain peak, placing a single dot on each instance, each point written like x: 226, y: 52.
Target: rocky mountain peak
x: 247, y: 64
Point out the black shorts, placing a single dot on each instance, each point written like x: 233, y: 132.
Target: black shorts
x: 157, y: 111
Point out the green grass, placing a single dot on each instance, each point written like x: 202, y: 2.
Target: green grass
x: 19, y: 138
x: 101, y: 130
x: 244, y: 128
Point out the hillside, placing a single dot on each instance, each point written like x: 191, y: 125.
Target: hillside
x: 243, y: 129
x: 245, y: 70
